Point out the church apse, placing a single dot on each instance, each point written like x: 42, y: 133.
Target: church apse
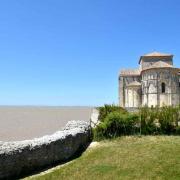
x: 155, y: 83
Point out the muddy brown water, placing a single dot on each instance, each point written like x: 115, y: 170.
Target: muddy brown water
x: 25, y: 122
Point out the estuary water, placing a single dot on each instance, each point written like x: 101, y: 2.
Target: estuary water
x: 27, y: 122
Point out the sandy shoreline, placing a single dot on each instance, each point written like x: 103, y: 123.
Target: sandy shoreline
x: 27, y: 122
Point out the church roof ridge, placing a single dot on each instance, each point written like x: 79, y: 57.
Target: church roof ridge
x: 130, y: 72
x: 155, y: 54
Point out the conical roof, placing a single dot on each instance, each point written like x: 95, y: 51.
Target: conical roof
x: 160, y: 64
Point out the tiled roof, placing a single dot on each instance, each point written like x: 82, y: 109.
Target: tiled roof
x: 155, y: 54
x: 130, y: 72
x: 137, y: 72
x: 159, y: 64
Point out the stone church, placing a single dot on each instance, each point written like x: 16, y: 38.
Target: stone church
x: 155, y: 83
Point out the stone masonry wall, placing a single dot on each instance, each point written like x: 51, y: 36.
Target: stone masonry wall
x: 148, y: 61
x: 152, y: 90
x: 123, y: 95
x: 23, y: 157
x: 133, y: 97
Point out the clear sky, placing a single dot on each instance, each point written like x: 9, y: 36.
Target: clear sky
x: 69, y: 52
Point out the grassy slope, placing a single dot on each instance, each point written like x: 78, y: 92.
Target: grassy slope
x: 149, y: 157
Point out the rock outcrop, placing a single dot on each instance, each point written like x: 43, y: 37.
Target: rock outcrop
x: 23, y: 157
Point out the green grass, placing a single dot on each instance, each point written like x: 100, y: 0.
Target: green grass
x: 147, y: 157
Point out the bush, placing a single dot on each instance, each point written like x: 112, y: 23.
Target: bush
x: 148, y: 121
x: 177, y: 130
x: 116, y: 121
x: 107, y: 109
x: 157, y: 120
x: 116, y: 124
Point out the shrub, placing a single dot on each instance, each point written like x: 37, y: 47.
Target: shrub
x: 148, y: 120
x: 157, y: 120
x: 167, y: 118
x: 116, y: 124
x: 116, y: 121
x: 107, y: 109
x: 177, y: 130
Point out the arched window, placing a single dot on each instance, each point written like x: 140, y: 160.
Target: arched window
x: 163, y: 87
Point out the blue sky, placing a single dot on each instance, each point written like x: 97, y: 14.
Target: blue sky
x: 67, y: 52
